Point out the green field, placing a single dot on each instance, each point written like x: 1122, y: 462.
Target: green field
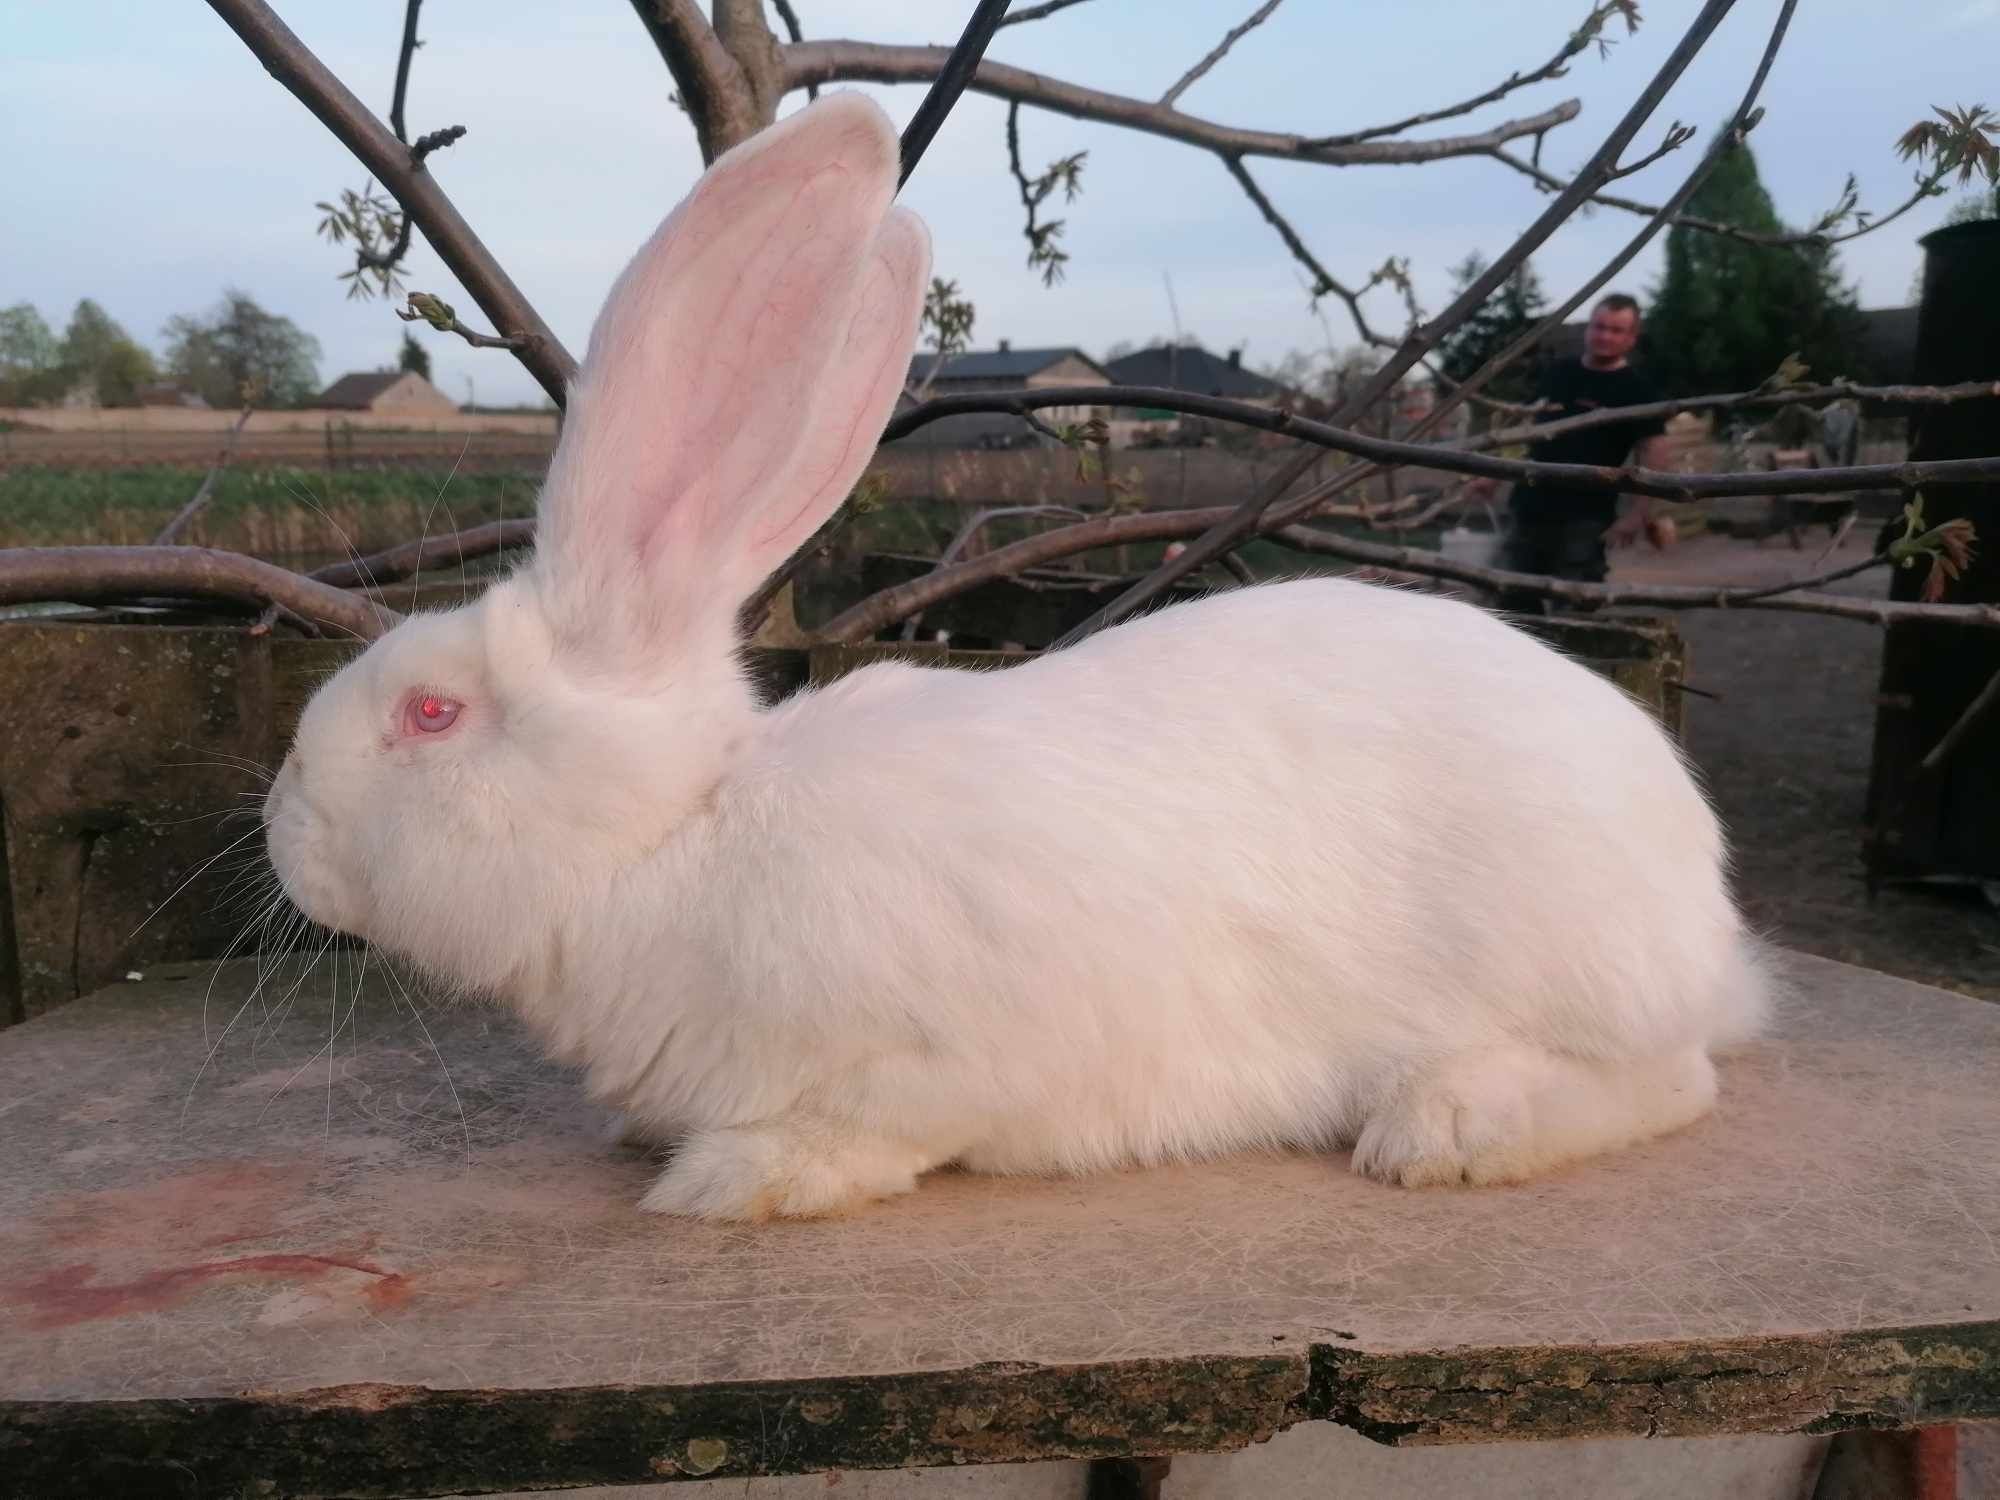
x: 291, y: 515
x: 303, y: 517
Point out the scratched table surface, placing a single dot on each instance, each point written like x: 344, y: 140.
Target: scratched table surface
x: 317, y: 1239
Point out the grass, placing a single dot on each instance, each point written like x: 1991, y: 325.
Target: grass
x: 302, y: 517
x: 296, y: 516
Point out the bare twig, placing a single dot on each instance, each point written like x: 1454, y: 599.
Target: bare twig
x: 1424, y: 337
x: 1962, y: 726
x: 1555, y: 67
x: 404, y: 55
x: 1042, y: 248
x: 1678, y: 135
x: 1818, y: 234
x: 293, y: 65
x: 94, y: 575
x: 1221, y: 50
x: 975, y: 524
x: 414, y: 557
x: 1630, y: 479
x: 1036, y: 12
x: 366, y: 259
x: 437, y: 140
x: 873, y: 62
x: 711, y: 83
x: 1670, y: 596
x: 1835, y: 390
x: 440, y: 315
x: 1238, y: 569
x: 193, y: 508
x: 953, y: 76
x: 1323, y: 280
x: 797, y: 33
x: 880, y: 611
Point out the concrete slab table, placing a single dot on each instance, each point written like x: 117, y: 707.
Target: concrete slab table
x: 413, y: 1265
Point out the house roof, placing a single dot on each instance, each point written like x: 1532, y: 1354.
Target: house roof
x: 358, y: 388
x: 998, y: 364
x: 1189, y: 367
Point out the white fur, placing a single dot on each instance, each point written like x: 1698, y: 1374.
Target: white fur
x: 1311, y: 865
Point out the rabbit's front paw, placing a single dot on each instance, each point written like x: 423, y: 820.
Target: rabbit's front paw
x: 781, y: 1170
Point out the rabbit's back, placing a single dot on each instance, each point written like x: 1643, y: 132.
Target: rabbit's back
x: 1255, y: 856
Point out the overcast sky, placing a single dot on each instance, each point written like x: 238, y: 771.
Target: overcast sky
x: 149, y: 161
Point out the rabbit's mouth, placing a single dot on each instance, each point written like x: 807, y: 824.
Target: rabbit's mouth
x: 296, y: 843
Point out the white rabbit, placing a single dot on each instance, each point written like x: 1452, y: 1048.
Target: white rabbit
x: 1308, y: 865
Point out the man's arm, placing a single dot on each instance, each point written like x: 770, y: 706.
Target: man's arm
x: 1655, y: 452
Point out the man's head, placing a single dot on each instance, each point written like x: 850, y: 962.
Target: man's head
x: 1614, y: 329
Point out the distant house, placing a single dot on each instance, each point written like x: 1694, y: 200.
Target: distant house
x: 1002, y: 369
x: 399, y: 393
x: 170, y: 393
x: 1193, y: 369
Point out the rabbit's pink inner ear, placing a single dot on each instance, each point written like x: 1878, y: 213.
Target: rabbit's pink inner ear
x: 706, y: 365
x: 854, y: 397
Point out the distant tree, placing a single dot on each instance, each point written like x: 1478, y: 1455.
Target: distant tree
x: 1726, y: 313
x: 239, y: 353
x: 414, y: 358
x: 1511, y: 311
x: 30, y: 358
x: 1975, y: 207
x: 98, y: 352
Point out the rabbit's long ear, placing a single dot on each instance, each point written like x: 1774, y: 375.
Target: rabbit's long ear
x: 737, y: 380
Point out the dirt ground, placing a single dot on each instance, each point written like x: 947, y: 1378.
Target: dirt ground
x: 1785, y: 750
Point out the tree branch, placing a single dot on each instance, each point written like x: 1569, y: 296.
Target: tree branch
x: 93, y: 575
x: 292, y: 64
x: 1671, y: 596
x: 1555, y: 67
x: 1230, y: 39
x: 413, y: 557
x: 871, y: 62
x: 1817, y: 236
x: 1424, y: 337
x: 1036, y: 12
x: 1962, y: 726
x: 1837, y: 390
x: 1325, y: 283
x: 193, y: 508
x: 424, y: 308
x: 953, y: 76
x: 1628, y: 479
x: 364, y: 258
x: 879, y: 611
x: 792, y: 28
x: 1042, y: 248
x: 710, y: 81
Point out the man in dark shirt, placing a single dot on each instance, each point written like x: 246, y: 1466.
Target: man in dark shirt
x: 1561, y: 533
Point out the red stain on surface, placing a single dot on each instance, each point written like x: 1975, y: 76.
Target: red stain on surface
x: 72, y: 1295
x: 198, y: 1210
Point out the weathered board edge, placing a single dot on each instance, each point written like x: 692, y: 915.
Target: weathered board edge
x: 382, y: 1440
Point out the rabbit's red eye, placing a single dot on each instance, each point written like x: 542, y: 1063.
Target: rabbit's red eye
x: 431, y: 713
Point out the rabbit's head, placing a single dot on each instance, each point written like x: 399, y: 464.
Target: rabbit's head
x: 457, y: 785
